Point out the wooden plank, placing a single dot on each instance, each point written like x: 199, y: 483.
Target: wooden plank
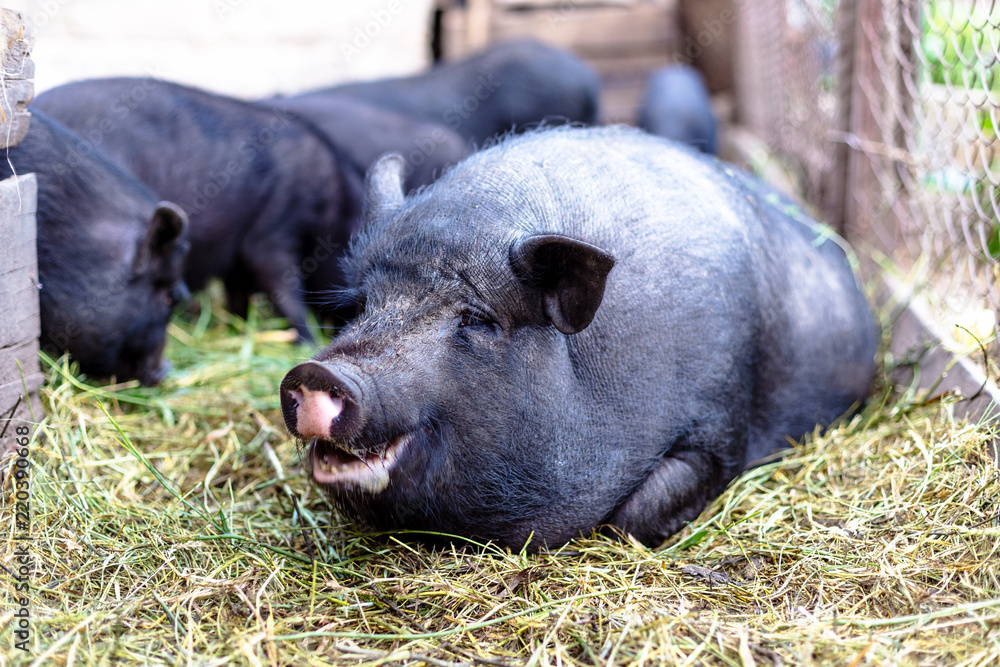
x: 596, y: 31
x: 917, y: 336
x: 570, y: 4
x: 14, y: 116
x: 20, y: 375
x: 590, y: 32
x: 478, y: 29
x: 862, y: 181
x: 16, y: 71
x: 709, y: 34
x: 835, y: 204
x: 454, y: 41
x: 16, y: 40
x: 620, y: 99
x: 637, y: 66
x: 18, y: 263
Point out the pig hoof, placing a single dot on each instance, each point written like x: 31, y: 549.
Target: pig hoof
x: 365, y: 471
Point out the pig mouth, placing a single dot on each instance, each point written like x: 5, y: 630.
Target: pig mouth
x: 333, y: 465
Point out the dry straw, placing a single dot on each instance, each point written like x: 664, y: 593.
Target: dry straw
x: 173, y: 526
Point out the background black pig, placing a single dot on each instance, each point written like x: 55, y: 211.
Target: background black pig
x: 268, y: 202
x: 510, y: 85
x: 109, y: 256
x: 575, y: 327
x: 677, y: 105
x: 364, y: 133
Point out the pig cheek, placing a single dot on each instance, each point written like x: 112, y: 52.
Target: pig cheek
x: 142, y: 337
x: 438, y: 472
x: 416, y: 485
x: 153, y: 367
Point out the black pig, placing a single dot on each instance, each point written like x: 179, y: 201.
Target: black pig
x: 109, y: 256
x: 364, y: 133
x: 677, y: 106
x: 508, y: 86
x: 269, y: 204
x: 575, y: 328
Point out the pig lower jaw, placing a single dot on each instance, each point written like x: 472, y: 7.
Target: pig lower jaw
x: 369, y: 474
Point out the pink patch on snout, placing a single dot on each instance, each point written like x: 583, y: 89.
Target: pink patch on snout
x: 315, y: 412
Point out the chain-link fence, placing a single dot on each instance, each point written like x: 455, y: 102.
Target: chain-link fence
x: 887, y: 111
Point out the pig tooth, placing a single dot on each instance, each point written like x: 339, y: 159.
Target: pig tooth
x: 371, y: 477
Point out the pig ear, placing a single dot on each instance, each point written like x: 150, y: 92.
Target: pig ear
x: 570, y: 274
x: 384, y: 186
x: 167, y: 227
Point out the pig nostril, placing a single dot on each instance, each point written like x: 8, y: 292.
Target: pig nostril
x: 319, y: 402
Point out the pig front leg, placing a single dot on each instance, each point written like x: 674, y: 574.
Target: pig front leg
x: 277, y: 274
x: 674, y: 493
x: 239, y: 285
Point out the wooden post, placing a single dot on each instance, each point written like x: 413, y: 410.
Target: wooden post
x: 20, y: 376
x: 16, y: 73
x: 478, y: 34
x: 835, y: 205
x: 863, y: 193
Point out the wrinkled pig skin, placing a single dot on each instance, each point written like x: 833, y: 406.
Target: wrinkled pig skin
x: 109, y: 256
x: 270, y: 205
x: 575, y: 328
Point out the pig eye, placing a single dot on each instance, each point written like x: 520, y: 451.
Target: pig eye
x: 473, y: 319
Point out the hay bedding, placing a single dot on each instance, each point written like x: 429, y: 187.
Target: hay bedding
x: 173, y: 526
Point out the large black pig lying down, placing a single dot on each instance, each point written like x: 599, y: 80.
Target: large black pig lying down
x: 109, y: 256
x: 571, y: 329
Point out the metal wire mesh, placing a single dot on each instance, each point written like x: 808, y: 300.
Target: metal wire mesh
x: 787, y: 84
x: 888, y: 110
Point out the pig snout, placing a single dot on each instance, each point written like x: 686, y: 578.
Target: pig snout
x: 324, y: 404
x: 315, y: 412
x: 318, y: 401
